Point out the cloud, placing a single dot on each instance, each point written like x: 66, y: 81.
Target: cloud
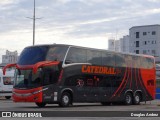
x: 5, y: 2
x: 81, y: 22
x: 153, y: 1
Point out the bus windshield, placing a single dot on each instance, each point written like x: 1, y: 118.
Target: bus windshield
x: 44, y: 76
x: 32, y: 55
x: 26, y: 79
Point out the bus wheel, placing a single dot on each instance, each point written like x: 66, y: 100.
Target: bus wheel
x: 105, y: 103
x: 41, y: 104
x: 65, y: 100
x: 7, y: 97
x: 137, y: 99
x: 128, y: 99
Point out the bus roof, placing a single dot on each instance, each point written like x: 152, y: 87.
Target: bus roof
x: 142, y: 55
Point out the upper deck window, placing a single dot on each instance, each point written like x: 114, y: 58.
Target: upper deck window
x: 56, y: 53
x: 108, y: 59
x: 32, y: 55
x: 76, y: 55
x: 94, y: 57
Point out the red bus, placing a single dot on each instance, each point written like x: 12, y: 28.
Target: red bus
x: 65, y: 74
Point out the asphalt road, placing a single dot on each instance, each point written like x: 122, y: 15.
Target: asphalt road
x: 94, y: 109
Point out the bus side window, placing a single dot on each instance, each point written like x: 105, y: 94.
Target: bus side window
x: 94, y: 57
x: 136, y: 62
x: 108, y: 59
x: 147, y: 63
x: 76, y: 55
x: 120, y: 60
x: 56, y: 53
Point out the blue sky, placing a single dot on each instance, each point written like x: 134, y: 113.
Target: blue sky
x: 80, y: 22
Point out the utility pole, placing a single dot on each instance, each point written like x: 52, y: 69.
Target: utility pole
x: 34, y: 11
x: 34, y: 19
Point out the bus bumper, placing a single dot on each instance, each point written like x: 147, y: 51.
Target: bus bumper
x: 29, y: 95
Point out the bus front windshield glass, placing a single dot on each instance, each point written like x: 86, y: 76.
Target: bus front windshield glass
x: 32, y: 55
x: 26, y: 79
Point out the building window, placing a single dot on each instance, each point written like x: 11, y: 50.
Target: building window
x: 137, y: 34
x: 144, y: 33
x: 137, y: 43
x: 145, y: 42
x: 137, y: 51
x: 153, y: 52
x: 153, y: 32
x: 144, y: 52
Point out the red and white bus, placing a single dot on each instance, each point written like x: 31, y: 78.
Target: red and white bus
x: 65, y: 74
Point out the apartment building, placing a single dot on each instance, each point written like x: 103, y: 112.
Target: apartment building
x: 145, y: 40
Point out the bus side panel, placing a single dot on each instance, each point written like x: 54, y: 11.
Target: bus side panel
x: 134, y: 80
x: 72, y: 76
x: 148, y: 78
x: 90, y: 86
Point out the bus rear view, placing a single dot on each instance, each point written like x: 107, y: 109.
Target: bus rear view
x: 6, y: 84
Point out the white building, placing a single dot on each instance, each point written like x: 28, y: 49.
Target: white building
x: 114, y: 45
x: 121, y: 45
x: 10, y: 57
x: 111, y: 44
x: 124, y: 44
x: 145, y: 40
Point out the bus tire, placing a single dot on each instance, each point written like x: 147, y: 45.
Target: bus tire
x: 7, y: 97
x: 41, y: 105
x: 65, y: 100
x: 128, y: 99
x: 137, y: 99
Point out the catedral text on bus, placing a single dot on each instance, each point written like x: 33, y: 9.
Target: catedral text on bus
x: 65, y: 74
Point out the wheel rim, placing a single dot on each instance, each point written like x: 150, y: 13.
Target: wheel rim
x: 128, y: 99
x: 137, y: 99
x: 66, y: 99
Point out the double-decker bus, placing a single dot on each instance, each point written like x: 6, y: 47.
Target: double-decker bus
x: 65, y: 74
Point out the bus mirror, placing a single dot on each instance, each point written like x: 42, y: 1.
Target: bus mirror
x: 68, y: 61
x: 8, y: 66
